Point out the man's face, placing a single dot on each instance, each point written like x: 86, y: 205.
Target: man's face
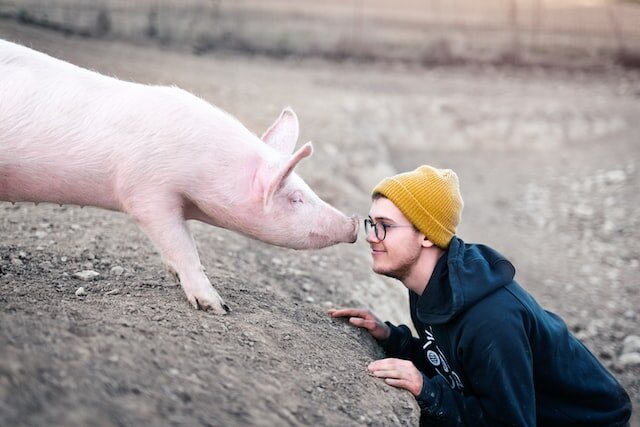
x: 396, y: 255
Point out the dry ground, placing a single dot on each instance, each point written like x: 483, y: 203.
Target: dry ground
x: 548, y: 162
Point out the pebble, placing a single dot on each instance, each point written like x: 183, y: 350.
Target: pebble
x: 631, y: 344
x: 615, y: 177
x: 86, y: 275
x: 113, y: 292
x: 630, y: 359
x: 46, y: 265
x: 117, y: 270
x: 80, y: 292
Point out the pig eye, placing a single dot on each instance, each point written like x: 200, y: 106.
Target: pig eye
x: 296, y: 197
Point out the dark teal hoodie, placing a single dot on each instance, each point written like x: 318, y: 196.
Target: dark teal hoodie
x: 492, y: 356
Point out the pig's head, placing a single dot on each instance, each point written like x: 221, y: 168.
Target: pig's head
x: 289, y: 212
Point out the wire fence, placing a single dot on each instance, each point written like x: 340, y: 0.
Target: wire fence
x: 426, y: 31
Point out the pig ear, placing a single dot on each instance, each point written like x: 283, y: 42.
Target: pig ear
x: 278, y: 179
x: 283, y: 134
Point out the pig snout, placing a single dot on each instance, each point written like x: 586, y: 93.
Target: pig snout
x: 344, y: 232
x: 355, y: 223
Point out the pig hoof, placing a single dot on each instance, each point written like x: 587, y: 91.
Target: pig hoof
x: 217, y: 307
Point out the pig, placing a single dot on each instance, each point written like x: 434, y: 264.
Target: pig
x: 162, y: 155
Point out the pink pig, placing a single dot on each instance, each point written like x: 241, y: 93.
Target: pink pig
x: 160, y: 154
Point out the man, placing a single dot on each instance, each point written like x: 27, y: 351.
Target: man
x: 487, y: 353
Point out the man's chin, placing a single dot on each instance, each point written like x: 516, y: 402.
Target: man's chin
x: 385, y: 272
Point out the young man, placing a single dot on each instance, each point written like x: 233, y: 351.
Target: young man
x: 487, y: 353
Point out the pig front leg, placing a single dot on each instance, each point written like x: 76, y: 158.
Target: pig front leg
x: 168, y: 230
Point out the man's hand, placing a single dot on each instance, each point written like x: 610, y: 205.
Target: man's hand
x: 398, y: 373
x: 364, y: 319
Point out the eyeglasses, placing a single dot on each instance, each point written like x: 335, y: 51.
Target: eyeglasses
x: 379, y: 228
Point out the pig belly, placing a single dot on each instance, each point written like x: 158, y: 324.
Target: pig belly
x: 21, y: 182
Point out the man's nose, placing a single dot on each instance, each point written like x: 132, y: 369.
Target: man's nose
x: 371, y: 235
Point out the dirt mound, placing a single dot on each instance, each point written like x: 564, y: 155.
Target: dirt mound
x: 548, y: 163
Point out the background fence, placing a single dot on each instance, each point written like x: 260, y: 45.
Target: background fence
x: 427, y: 31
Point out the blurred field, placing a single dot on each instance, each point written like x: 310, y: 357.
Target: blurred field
x: 431, y: 32
x: 546, y: 148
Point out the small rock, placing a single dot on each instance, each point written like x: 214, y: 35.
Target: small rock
x: 80, y: 292
x: 86, y: 275
x: 16, y: 262
x: 630, y: 359
x: 583, y: 211
x: 309, y: 299
x: 116, y: 270
x: 631, y: 344
x: 113, y: 292
x: 46, y: 265
x: 20, y: 291
x: 615, y: 177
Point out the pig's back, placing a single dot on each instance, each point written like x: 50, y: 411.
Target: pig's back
x: 50, y: 137
x: 70, y: 135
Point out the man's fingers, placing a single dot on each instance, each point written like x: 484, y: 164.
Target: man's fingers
x: 348, y: 312
x: 399, y: 383
x: 396, y: 382
x: 362, y: 323
x: 382, y: 364
x: 389, y: 373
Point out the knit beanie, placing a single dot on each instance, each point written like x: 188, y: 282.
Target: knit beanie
x: 430, y: 198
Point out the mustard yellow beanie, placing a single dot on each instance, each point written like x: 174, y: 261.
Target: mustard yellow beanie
x: 429, y: 198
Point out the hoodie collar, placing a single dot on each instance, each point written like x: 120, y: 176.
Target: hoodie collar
x: 464, y: 275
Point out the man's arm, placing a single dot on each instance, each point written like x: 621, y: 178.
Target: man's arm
x: 402, y: 344
x: 497, y: 359
x: 396, y: 341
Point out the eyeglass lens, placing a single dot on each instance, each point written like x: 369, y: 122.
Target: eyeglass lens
x: 378, y: 229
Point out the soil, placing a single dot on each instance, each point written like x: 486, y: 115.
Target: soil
x: 548, y: 161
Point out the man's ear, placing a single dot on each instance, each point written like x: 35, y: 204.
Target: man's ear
x: 426, y: 243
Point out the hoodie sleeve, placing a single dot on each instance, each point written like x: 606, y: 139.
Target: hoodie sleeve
x: 402, y: 344
x: 497, y: 360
